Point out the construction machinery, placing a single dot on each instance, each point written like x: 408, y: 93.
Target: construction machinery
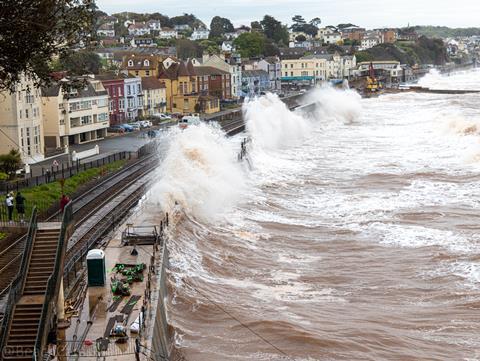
x: 373, y: 85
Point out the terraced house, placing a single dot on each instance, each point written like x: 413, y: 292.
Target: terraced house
x: 155, y: 96
x: 133, y: 97
x: 114, y: 85
x: 75, y: 112
x: 182, y: 92
x: 142, y: 65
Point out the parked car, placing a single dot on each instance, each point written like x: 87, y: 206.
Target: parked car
x: 162, y: 116
x: 134, y: 125
x: 127, y: 127
x: 144, y: 123
x: 116, y: 129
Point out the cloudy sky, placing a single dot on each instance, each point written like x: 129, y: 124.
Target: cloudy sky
x: 367, y: 13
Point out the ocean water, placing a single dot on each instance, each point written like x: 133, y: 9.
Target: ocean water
x: 351, y: 233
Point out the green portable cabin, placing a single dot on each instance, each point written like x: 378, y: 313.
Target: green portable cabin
x: 96, y: 268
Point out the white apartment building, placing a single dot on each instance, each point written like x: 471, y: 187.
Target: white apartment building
x: 168, y: 33
x: 200, y: 34
x: 107, y: 30
x: 21, y: 125
x: 75, y: 114
x: 369, y: 42
x: 139, y: 29
x: 314, y: 68
x: 154, y: 25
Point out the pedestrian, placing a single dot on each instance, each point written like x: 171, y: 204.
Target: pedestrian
x: 47, y: 176
x: 9, y: 203
x: 64, y: 201
x: 20, y: 204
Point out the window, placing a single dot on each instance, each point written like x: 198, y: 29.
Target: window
x: 29, y: 98
x: 129, y: 91
x: 286, y: 66
x: 286, y: 73
x: 136, y: 72
x: 20, y: 114
x: 26, y: 114
x: 291, y: 66
x: 102, y: 102
x: 139, y: 89
x: 102, y: 117
x: 130, y: 63
x: 291, y: 73
x: 87, y: 119
x: 147, y: 72
x: 146, y: 63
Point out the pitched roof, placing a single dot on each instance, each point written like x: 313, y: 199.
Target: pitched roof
x: 254, y: 73
x: 139, y: 61
x: 152, y: 82
x: 209, y: 70
x: 85, y: 90
x: 138, y: 26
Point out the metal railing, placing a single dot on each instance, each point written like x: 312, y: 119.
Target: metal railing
x: 53, y: 285
x: 16, y: 287
x: 55, y: 173
x: 159, y: 329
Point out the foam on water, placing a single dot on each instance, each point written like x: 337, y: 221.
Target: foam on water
x: 200, y: 172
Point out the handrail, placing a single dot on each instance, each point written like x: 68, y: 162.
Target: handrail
x: 53, y: 285
x: 16, y: 286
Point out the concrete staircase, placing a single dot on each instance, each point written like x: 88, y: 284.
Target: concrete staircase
x: 42, y: 261
x: 26, y: 316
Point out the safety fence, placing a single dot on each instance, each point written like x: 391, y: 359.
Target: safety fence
x: 62, y: 171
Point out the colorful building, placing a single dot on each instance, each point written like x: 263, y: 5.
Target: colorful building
x: 114, y: 85
x: 213, y: 81
x: 154, y: 96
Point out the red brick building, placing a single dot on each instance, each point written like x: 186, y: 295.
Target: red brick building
x: 114, y: 86
x: 214, y: 82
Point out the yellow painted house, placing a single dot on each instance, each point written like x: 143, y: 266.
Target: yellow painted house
x: 142, y: 65
x: 181, y: 86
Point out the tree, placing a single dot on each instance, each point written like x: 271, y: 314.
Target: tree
x: 316, y: 22
x: 164, y: 19
x: 32, y: 32
x: 250, y: 44
x: 256, y: 26
x: 298, y: 23
x: 301, y: 38
x: 273, y: 29
x: 120, y: 29
x: 271, y: 49
x: 220, y: 26
x: 81, y: 62
x: 10, y: 162
x: 187, y: 19
x: 188, y: 49
x: 209, y: 46
x: 310, y: 29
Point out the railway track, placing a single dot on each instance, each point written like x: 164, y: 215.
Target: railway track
x: 83, y: 206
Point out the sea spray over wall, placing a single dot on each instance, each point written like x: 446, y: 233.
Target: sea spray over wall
x: 432, y: 78
x: 200, y: 172
x: 271, y: 125
x: 342, y: 105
